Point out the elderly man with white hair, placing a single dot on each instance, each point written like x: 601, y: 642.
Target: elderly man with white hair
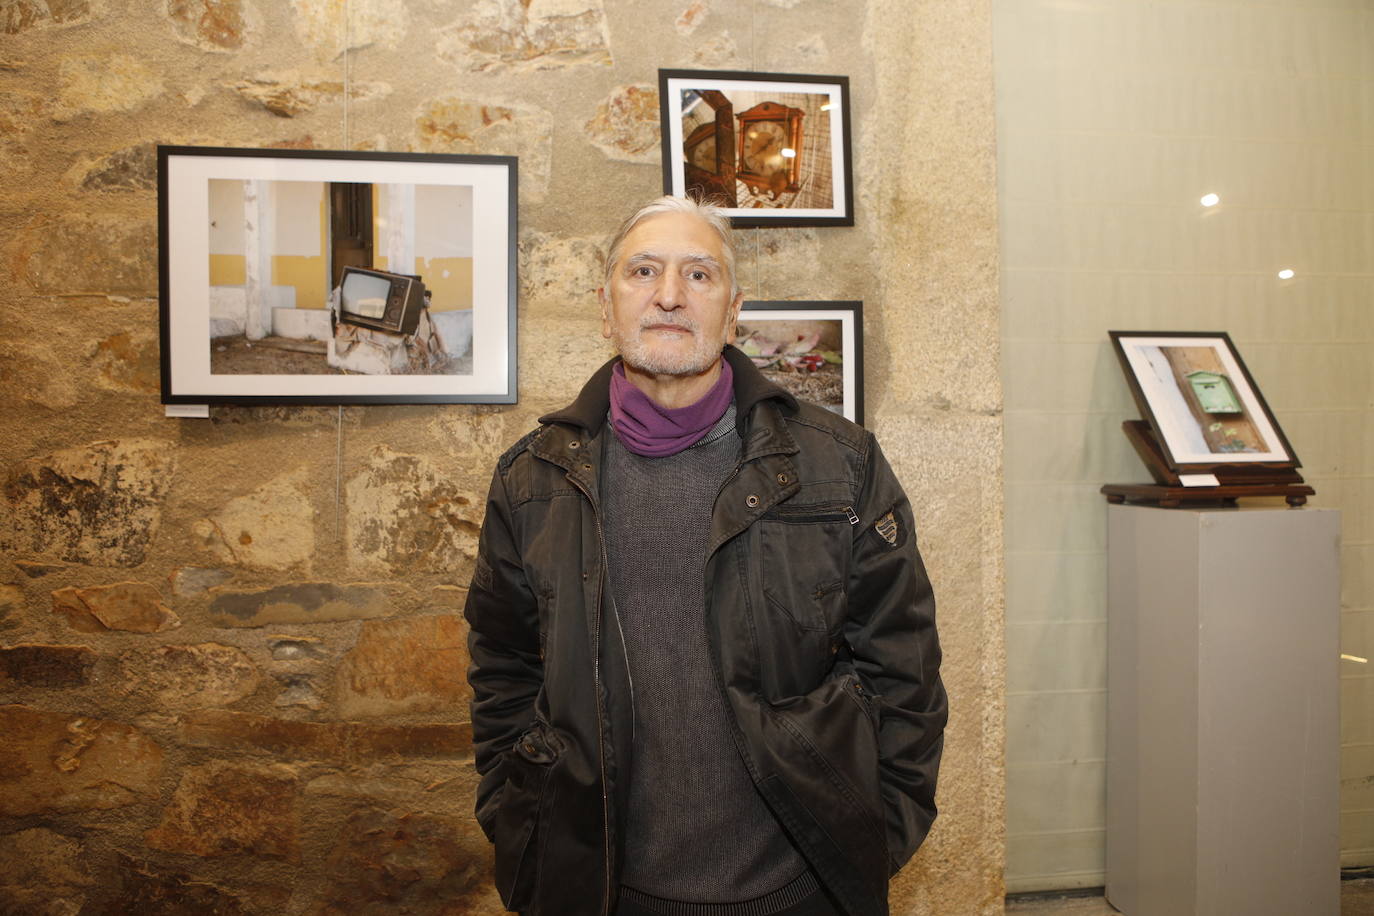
x: 705, y: 667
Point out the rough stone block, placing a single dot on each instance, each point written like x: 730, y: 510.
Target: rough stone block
x: 44, y: 874
x: 289, y: 94
x: 302, y: 602
x: 691, y: 17
x: 717, y: 52
x: 52, y: 762
x: 212, y: 25
x: 406, y: 665
x: 144, y: 891
x: 196, y: 580
x: 103, y: 84
x: 133, y: 606
x: 397, y: 861
x: 133, y: 168
x: 46, y: 666
x: 273, y: 527
x: 297, y: 690
x: 455, y: 125
x: 11, y: 604
x: 88, y: 253
x: 516, y: 35
x: 449, y: 596
x: 296, y: 648
x: 224, y: 809
x: 37, y: 570
x: 344, y: 742
x: 188, y: 677
x: 332, y: 28
x: 559, y: 275
x: 129, y: 361
x: 21, y: 15
x: 99, y: 504
x: 405, y: 515
x: 626, y: 125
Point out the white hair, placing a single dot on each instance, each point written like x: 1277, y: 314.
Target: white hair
x: 713, y: 215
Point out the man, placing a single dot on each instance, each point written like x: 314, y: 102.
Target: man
x: 705, y: 668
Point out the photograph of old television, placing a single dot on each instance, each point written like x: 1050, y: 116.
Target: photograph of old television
x: 326, y: 277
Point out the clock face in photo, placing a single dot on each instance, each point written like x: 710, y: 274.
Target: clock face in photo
x: 703, y: 155
x: 764, y: 142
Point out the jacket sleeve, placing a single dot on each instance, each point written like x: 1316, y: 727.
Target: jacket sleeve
x: 890, y: 630
x: 503, y: 642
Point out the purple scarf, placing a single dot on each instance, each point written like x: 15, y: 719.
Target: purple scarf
x: 652, y: 431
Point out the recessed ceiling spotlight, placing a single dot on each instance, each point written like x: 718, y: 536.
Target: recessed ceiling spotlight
x: 1210, y: 200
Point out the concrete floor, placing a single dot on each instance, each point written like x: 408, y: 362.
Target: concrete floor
x: 1357, y: 899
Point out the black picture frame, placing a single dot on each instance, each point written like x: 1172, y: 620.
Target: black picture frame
x: 838, y: 325
x: 287, y: 221
x: 1172, y: 377
x: 789, y: 135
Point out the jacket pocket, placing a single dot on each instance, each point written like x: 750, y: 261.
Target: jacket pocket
x: 804, y: 562
x: 525, y: 799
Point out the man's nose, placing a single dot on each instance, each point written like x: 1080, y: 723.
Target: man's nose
x: 670, y: 291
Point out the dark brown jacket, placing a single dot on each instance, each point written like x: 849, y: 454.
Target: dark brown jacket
x: 821, y: 625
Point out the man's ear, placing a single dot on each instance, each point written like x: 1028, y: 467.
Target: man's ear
x: 732, y: 325
x: 605, y: 301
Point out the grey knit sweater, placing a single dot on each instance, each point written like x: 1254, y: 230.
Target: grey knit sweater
x: 696, y: 828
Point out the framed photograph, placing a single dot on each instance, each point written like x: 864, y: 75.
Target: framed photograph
x: 1200, y: 400
x: 772, y: 148
x: 323, y: 277
x: 812, y: 349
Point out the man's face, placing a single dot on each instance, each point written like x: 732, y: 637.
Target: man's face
x: 668, y: 307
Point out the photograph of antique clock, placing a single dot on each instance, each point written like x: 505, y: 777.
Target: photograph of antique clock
x: 709, y: 148
x: 770, y: 153
x: 772, y: 147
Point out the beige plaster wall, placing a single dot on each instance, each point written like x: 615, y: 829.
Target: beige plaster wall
x: 1114, y: 118
x: 228, y: 647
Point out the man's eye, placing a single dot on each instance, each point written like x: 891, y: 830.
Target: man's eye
x: 643, y: 271
x: 699, y: 275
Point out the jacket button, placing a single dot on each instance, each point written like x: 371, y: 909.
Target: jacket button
x: 574, y: 444
x: 751, y: 501
x: 586, y: 467
x: 782, y: 479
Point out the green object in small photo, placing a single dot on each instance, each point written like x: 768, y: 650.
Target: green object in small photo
x: 1213, y: 392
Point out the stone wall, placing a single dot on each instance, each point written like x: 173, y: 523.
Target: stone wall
x: 232, y: 650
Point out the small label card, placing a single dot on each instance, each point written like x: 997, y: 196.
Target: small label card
x: 1199, y: 480
x: 196, y: 411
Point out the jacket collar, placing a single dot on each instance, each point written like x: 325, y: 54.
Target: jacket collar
x: 589, y: 411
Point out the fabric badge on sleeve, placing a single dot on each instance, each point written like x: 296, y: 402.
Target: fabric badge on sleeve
x: 886, y: 526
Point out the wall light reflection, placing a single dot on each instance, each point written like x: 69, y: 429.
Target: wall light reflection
x: 1286, y: 274
x: 1210, y: 200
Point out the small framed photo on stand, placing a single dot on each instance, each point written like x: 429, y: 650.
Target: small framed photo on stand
x: 1207, y: 432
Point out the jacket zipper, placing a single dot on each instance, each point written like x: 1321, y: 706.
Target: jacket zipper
x: 600, y: 713
x: 812, y: 514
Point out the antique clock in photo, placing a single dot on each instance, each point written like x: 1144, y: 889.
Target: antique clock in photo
x: 710, y: 151
x: 770, y: 153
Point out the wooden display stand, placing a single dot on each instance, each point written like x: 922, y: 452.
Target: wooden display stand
x: 1234, y: 481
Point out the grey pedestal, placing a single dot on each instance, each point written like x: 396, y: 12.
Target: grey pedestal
x: 1223, y: 726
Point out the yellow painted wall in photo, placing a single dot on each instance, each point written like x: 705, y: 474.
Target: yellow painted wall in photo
x: 227, y: 270
x: 449, y: 281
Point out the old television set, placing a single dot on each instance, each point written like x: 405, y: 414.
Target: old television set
x: 381, y: 300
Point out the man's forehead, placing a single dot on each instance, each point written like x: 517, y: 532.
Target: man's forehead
x: 673, y: 235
